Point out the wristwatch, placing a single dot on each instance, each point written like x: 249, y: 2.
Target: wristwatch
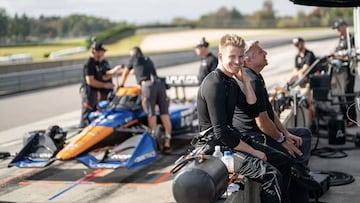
x: 281, y: 139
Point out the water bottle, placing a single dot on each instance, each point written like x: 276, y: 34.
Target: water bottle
x: 228, y: 161
x: 217, y: 153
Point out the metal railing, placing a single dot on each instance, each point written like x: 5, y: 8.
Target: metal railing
x: 72, y: 73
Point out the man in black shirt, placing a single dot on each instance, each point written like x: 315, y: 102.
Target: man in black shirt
x: 266, y: 127
x: 208, y: 62
x: 341, y: 58
x: 303, y: 59
x: 97, y: 81
x: 341, y: 27
x: 153, y: 91
x: 216, y: 100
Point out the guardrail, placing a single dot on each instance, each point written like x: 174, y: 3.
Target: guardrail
x: 24, y: 77
x: 66, y: 52
x: 29, y: 80
x: 15, y: 59
x: 72, y: 73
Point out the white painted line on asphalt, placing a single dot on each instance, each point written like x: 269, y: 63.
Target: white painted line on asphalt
x: 14, y: 136
x: 16, y: 142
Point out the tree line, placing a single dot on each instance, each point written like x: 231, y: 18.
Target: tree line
x: 27, y: 29
x: 22, y: 28
x: 266, y: 18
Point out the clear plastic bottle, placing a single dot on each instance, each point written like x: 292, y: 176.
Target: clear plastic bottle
x: 228, y: 161
x: 217, y: 153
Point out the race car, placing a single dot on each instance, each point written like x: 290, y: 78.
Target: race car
x: 116, y: 137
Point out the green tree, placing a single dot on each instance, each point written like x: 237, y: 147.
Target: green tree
x: 181, y: 21
x: 3, y: 24
x: 80, y: 25
x: 221, y: 18
x: 343, y: 13
x: 265, y: 17
x: 23, y: 27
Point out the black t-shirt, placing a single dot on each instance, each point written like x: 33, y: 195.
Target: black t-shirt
x: 216, y: 100
x: 342, y: 44
x: 244, y: 119
x: 208, y: 64
x: 308, y: 59
x: 97, y: 69
x: 143, y: 67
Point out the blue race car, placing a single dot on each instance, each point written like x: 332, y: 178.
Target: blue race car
x: 116, y: 137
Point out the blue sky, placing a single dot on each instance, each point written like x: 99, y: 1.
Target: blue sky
x: 142, y: 11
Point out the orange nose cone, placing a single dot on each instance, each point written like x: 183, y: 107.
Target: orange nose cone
x: 88, y: 137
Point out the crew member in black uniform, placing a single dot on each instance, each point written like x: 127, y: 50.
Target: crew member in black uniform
x: 217, y: 96
x: 208, y: 62
x: 341, y: 57
x: 303, y: 59
x: 266, y: 126
x: 153, y: 91
x: 97, y: 81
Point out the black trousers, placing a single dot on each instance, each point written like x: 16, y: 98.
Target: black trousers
x: 88, y: 105
x: 305, y: 134
x: 297, y: 193
x: 262, y: 172
x: 274, y: 179
x: 280, y: 161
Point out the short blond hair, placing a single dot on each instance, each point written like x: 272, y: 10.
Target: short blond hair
x: 231, y: 39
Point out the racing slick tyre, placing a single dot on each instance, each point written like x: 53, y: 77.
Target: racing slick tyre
x: 159, y: 137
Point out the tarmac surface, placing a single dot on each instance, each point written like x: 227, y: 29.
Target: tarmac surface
x: 72, y: 182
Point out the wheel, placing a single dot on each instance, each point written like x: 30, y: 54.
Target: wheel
x: 159, y: 137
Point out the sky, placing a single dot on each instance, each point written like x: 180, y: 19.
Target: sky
x: 142, y: 11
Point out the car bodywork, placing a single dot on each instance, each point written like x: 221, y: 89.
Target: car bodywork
x: 116, y: 137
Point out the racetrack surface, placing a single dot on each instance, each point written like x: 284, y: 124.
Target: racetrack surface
x: 72, y: 182
x: 188, y: 38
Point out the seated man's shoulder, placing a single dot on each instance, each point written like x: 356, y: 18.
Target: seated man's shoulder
x: 251, y: 75
x: 213, y: 76
x: 212, y: 80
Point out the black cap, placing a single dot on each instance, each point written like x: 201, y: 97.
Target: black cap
x: 202, y: 43
x: 338, y: 23
x: 98, y: 46
x: 297, y: 40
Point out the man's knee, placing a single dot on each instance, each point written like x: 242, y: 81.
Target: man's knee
x: 306, y: 132
x: 306, y: 135
x: 301, y: 132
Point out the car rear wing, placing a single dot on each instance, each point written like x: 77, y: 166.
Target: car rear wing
x: 182, y: 82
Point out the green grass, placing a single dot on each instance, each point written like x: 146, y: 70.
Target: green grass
x: 120, y: 47
x: 123, y: 46
x: 38, y: 52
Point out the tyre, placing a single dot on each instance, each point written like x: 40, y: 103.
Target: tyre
x: 159, y: 137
